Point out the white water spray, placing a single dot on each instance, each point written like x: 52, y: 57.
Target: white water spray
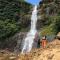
x: 29, y: 40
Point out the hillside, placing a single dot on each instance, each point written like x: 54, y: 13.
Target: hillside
x: 50, y: 14
x: 15, y: 23
x: 15, y: 17
x: 12, y: 17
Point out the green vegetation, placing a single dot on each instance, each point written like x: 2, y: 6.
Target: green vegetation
x: 11, y: 13
x: 51, y: 11
x: 15, y: 17
x: 48, y: 30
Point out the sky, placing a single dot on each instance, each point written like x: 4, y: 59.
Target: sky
x: 33, y: 2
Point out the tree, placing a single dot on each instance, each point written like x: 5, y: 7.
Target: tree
x: 11, y: 12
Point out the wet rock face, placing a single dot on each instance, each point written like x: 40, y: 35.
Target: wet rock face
x: 36, y: 41
x: 14, y: 43
x: 20, y: 38
x: 40, y: 24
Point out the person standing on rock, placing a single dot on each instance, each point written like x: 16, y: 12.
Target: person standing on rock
x: 43, y: 42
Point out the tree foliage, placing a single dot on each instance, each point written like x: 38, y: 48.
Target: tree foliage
x: 51, y: 9
x: 11, y: 12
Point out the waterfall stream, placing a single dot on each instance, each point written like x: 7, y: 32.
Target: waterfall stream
x: 29, y: 40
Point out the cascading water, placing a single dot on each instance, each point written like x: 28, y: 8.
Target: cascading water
x: 29, y: 40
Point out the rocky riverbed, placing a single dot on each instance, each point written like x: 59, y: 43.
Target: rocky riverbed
x: 6, y: 55
x: 51, y: 52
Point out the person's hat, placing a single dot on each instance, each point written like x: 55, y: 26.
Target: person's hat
x: 43, y: 37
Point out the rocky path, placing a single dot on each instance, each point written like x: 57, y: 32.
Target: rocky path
x: 6, y: 55
x: 51, y: 52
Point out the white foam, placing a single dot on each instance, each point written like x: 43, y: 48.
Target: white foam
x: 28, y: 42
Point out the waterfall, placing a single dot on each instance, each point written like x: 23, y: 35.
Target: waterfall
x: 29, y: 40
